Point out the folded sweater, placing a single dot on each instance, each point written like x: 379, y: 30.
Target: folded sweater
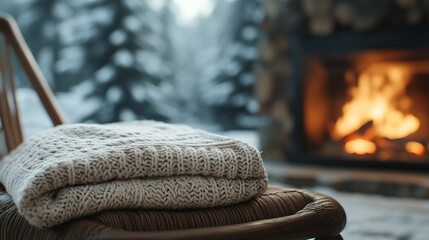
x: 79, y: 169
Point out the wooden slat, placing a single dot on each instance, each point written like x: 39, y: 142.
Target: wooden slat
x: 13, y: 42
x: 11, y: 98
x: 11, y: 31
x: 4, y: 106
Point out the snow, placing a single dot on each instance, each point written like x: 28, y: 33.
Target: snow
x: 45, y: 59
x: 114, y: 94
x: 250, y: 33
x: 104, y: 74
x: 62, y: 10
x: 150, y: 62
x: 232, y: 68
x: 33, y: 117
x: 132, y: 24
x: 118, y: 37
x: 156, y: 4
x: 71, y: 59
x: 128, y: 115
x: 220, y: 95
x: 74, y: 106
x: 189, y: 10
x: 77, y: 29
x: 102, y: 15
x: 252, y: 106
x: 123, y: 58
x: 246, y: 79
x: 138, y: 92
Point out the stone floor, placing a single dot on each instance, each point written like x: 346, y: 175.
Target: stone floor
x: 370, y: 215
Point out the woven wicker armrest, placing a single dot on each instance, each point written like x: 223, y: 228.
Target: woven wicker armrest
x: 280, y: 213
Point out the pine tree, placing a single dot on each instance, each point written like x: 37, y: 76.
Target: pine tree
x: 124, y: 56
x: 194, y: 57
x: 39, y: 23
x: 238, y: 109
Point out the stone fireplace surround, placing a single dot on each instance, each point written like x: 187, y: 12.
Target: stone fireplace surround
x: 297, y: 29
x: 392, y: 204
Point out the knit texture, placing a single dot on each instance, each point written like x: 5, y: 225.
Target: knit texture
x: 80, y: 169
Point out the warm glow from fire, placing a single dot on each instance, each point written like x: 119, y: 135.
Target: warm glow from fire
x: 378, y: 99
x: 360, y: 146
x: 415, y: 147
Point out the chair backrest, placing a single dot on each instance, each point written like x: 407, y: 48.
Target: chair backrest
x: 12, y: 43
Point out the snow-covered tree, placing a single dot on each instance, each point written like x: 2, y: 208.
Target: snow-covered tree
x: 124, y: 54
x: 39, y: 21
x: 238, y: 109
x: 136, y: 59
x: 195, y: 53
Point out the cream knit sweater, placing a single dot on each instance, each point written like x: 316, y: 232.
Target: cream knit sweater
x: 80, y: 169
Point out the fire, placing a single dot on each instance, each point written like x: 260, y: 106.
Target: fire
x: 360, y: 146
x: 379, y: 99
x: 415, y: 147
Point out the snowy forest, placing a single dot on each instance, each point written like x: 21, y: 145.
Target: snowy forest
x: 179, y: 61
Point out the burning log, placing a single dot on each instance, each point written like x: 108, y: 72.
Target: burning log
x: 384, y: 147
x: 397, y: 144
x: 364, y: 128
x: 365, y: 131
x: 360, y: 146
x: 416, y: 148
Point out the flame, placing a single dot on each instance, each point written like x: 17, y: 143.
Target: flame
x: 379, y: 97
x: 360, y: 146
x: 415, y: 147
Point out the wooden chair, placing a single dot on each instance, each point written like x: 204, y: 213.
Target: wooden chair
x: 12, y: 43
x: 280, y: 213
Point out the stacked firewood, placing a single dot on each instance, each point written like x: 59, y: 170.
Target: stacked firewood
x: 318, y: 18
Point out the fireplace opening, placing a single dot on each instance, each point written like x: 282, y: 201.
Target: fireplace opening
x: 370, y: 106
x: 368, y: 110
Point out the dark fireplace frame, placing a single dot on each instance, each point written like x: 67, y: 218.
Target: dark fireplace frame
x: 340, y: 43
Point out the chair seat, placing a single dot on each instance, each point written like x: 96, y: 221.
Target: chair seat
x: 280, y: 213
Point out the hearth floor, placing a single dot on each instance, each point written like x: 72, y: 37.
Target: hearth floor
x: 373, y: 217
x: 370, y: 216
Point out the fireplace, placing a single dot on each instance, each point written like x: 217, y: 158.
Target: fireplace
x: 349, y: 97
x: 365, y: 103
